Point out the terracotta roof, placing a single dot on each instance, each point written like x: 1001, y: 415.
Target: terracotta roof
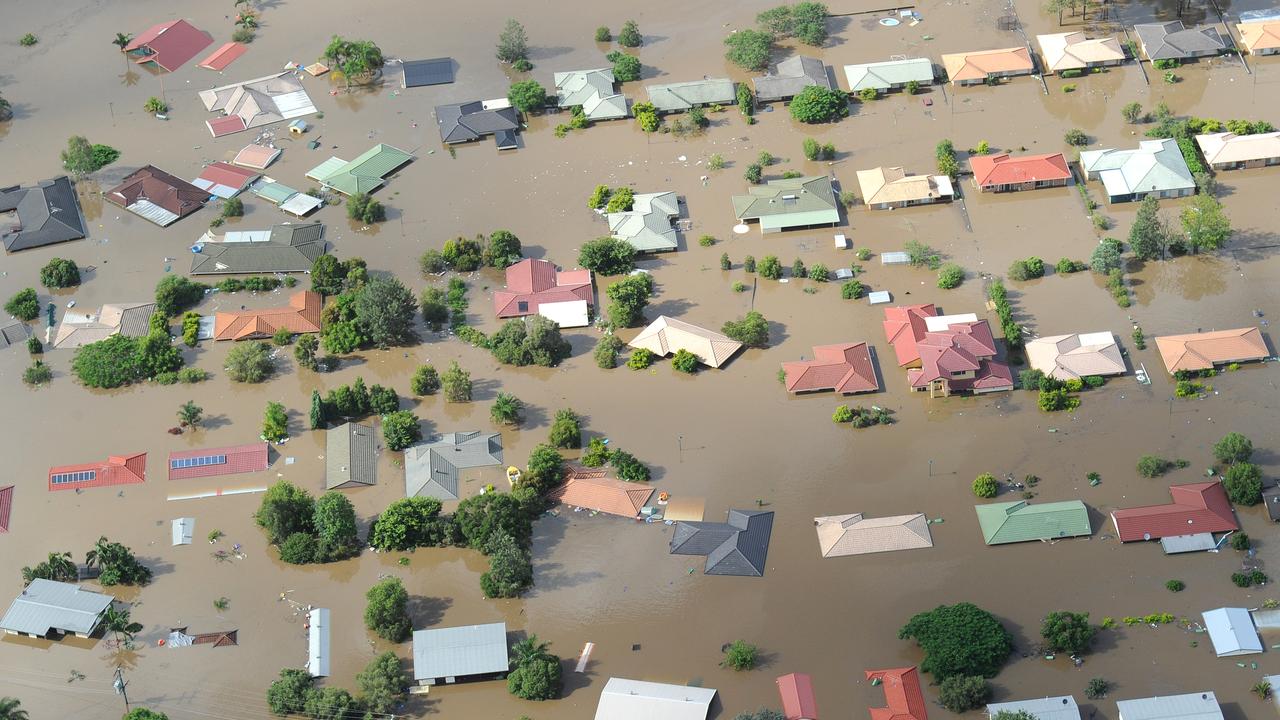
x: 904, y: 326
x: 531, y: 283
x: 1201, y: 351
x: 301, y: 315
x: 232, y: 179
x: 893, y: 184
x: 170, y: 44
x: 978, y: 65
x: 1075, y: 356
x: 222, y: 57
x: 1004, y: 169
x: 1196, y: 508
x: 962, y: 347
x: 1260, y: 35
x: 665, y: 336
x: 256, y: 156
x: 845, y: 368
x: 903, y: 697
x: 796, y: 691
x: 210, y: 462
x: 116, y: 470
x: 852, y: 534
x: 593, y: 488
x: 6, y: 507
x: 157, y: 187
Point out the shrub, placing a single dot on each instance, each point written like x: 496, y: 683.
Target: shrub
x: 242, y: 35
x: 400, y: 429
x: 842, y: 414
x: 1166, y: 63
x: 250, y: 362
x: 387, y: 612
x: 1243, y: 483
x: 510, y: 568
x: 1233, y: 448
x: 628, y: 467
x: 275, y: 423
x: 603, y: 34
x: 596, y: 454
x: 950, y: 276
x: 456, y: 383
x: 819, y: 273
x: 629, y: 35
x: 706, y: 241
x: 740, y: 655
x: 364, y: 208
x: 851, y: 290
x: 626, y: 68
x: 566, y: 430
x: 685, y: 361
x: 1029, y: 269
x: 1240, y: 541
x: 37, y: 374
x: 34, y: 346
x: 506, y: 409
x: 1066, y: 266
x: 1076, y: 138
x: 725, y: 263
x: 962, y: 693
x: 599, y: 197
x: 621, y: 200
x: 1132, y: 112
x: 1150, y: 466
x: 1066, y: 631
x: 24, y: 305
x: 59, y: 273
x: 770, y: 267
x: 640, y: 359
x: 985, y: 486
x: 798, y: 269
x: 628, y: 299
x: 753, y: 174
x: 749, y: 264
x: 28, y: 40
x: 425, y: 381
x: 752, y: 330
x: 1175, y: 586
x: 749, y: 49
x: 1097, y: 688
x: 868, y: 94
x: 298, y: 549
x: 606, y: 352
x: 175, y: 293
x: 960, y: 639
x: 811, y: 149
x: 715, y: 162
x: 816, y: 104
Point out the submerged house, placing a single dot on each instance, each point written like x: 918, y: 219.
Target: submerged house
x: 301, y: 315
x: 884, y: 188
x: 679, y: 97
x: 1229, y: 151
x: 295, y: 203
x: 853, y: 534
x: 594, y: 489
x: 789, y: 204
x: 791, y: 76
x: 47, y: 608
x: 157, y: 196
x: 903, y: 697
x: 980, y: 66
x: 1197, y: 508
x: 1074, y: 51
x: 115, y: 470
x: 666, y: 336
x: 536, y: 287
x: 460, y: 654
x: 1191, y: 706
x: 434, y: 469
x: 623, y: 699
x: 649, y: 225
x: 42, y: 214
x: 168, y: 45
x: 1079, y: 355
x: 282, y: 249
x: 365, y: 174
x: 737, y: 547
x: 889, y: 75
x: 470, y: 121
x: 1174, y: 41
x: 1062, y: 707
x: 1260, y: 38
x: 1021, y: 521
x: 592, y: 90
x: 257, y: 102
x: 215, y: 462
x: 845, y: 368
x: 350, y: 456
x: 795, y: 690
x: 225, y: 180
x: 1006, y: 173
x: 1206, y: 350
x: 1232, y: 631
x: 127, y: 319
x: 945, y: 354
x: 1155, y: 167
x: 421, y: 73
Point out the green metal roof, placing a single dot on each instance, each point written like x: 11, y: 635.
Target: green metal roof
x: 1021, y: 521
x: 793, y: 202
x: 363, y: 174
x: 273, y: 191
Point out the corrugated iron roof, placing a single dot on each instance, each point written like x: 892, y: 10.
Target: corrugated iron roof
x: 1021, y: 521
x: 460, y: 652
x: 47, y: 605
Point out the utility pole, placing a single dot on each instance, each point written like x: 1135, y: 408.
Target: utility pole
x: 121, y: 686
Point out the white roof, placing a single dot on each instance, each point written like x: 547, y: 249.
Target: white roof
x: 879, y: 297
x: 567, y: 314
x: 300, y: 204
x: 624, y: 699
x: 183, y: 529
x: 1065, y: 357
x: 49, y: 605
x: 894, y: 258
x: 1232, y: 632
x: 1192, y: 706
x: 1155, y: 165
x: 940, y: 323
x: 1228, y: 147
x: 1062, y: 707
x: 883, y: 75
x: 318, y: 642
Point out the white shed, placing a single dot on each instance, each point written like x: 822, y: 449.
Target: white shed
x: 894, y: 258
x: 183, y: 530
x: 318, y: 642
x: 1232, y: 632
x: 879, y: 297
x: 567, y: 314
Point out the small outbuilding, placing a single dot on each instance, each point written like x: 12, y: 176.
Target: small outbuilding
x: 460, y: 654
x: 1062, y: 707
x: 318, y: 642
x: 1191, y: 706
x: 421, y: 73
x: 623, y: 699
x: 1232, y: 632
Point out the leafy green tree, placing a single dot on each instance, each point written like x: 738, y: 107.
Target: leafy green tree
x: 621, y: 200
x: 328, y: 274
x: 108, y: 363
x: 962, y: 693
x: 1097, y: 688
x: 289, y: 693
x: 479, y: 517
x: 749, y: 49
x: 1150, y: 466
x: 628, y: 298
x: 640, y: 359
x: 740, y: 655
x: 400, y: 429
x: 626, y: 68
x: 116, y: 621
x: 534, y: 340
x: 606, y: 352
x: 385, y: 309
x: 527, y: 96
x: 985, y: 486
x: 463, y: 254
x: 317, y: 416
x: 118, y: 564
x: 628, y: 467
x: 57, y: 566
x: 384, y: 684
x: 332, y: 703
x: 607, y: 256
x: 37, y: 374
x: 1075, y: 137
x: 506, y: 409
x: 425, y: 381
x: 78, y: 157
x: 798, y: 269
x: 685, y: 361
x: 175, y: 293
x: 155, y: 354
x: 286, y: 509
x: 510, y: 568
x: 1106, y: 256
x: 1066, y: 631
x: 1132, y: 112
x: 754, y: 173
x: 405, y: 524
x: 959, y: 639
x: 770, y: 267
x: 513, y: 43
x: 646, y: 115
x: 1148, y: 237
x: 383, y: 400
x: 503, y: 249
x: 435, y: 311
x: 300, y: 549
x: 950, y: 276
x: 804, y: 21
x: 566, y: 430
x: 137, y: 713
x: 456, y: 383
x: 545, y: 468
x: 945, y: 154
x: 432, y: 262
x: 599, y: 197
x: 811, y: 148
x: 603, y: 34
x: 250, y: 362
x: 387, y: 611
x: 851, y: 289
x: 816, y: 104
x: 1205, y: 224
x: 275, y: 423
x: 60, y: 273
x: 24, y: 305
x: 335, y: 527
x: 1243, y: 483
x: 364, y: 208
x: 1233, y: 448
x: 537, y: 673
x: 596, y: 454
x: 629, y: 35
x: 752, y: 330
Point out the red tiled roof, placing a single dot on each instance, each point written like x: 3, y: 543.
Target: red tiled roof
x: 116, y: 470
x: 6, y: 507
x: 904, y: 326
x: 593, y: 488
x: 1196, y: 508
x: 798, y: 702
x: 160, y: 188
x: 903, y: 698
x: 222, y: 57
x: 962, y: 347
x: 239, y: 459
x: 225, y: 125
x: 220, y: 173
x: 845, y: 368
x: 537, y: 281
x: 1005, y: 170
x: 301, y: 315
x: 170, y: 44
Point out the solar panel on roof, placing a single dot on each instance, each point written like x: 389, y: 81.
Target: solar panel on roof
x: 73, y: 477
x: 437, y: 71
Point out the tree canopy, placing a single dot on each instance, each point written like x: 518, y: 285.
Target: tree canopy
x: 384, y: 684
x: 408, y: 523
x: 1067, y: 631
x: 534, y: 340
x: 60, y: 273
x: 752, y: 330
x: 355, y: 58
x: 960, y: 639
x: 175, y: 293
x: 513, y: 42
x: 806, y: 22
x: 628, y: 298
x: 400, y: 429
x: 527, y: 95
x: 1205, y: 224
x: 387, y: 611
x: 250, y: 362
x: 749, y: 49
x: 607, y: 256
x: 816, y: 104
x: 1233, y: 448
x: 386, y: 311
x: 285, y: 509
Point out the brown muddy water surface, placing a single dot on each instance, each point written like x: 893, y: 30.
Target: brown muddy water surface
x: 732, y: 436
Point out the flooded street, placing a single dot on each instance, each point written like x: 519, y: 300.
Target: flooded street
x: 732, y: 436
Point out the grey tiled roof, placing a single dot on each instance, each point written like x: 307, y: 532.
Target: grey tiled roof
x: 463, y: 122
x: 790, y: 77
x: 737, y: 547
x: 48, y: 213
x: 433, y: 469
x: 14, y: 333
x: 350, y: 456
x: 436, y: 71
x: 291, y: 248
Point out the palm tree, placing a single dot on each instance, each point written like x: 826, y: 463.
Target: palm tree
x: 506, y: 409
x: 189, y: 413
x: 100, y: 553
x: 118, y: 622
x: 10, y: 709
x: 122, y: 40
x: 247, y: 20
x: 58, y: 566
x: 529, y: 649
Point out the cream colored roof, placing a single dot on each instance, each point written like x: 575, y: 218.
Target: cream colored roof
x: 890, y: 185
x: 129, y: 319
x: 1201, y: 351
x: 978, y: 65
x: 1073, y: 51
x: 1066, y: 357
x: 1260, y: 35
x: 665, y: 336
x: 1228, y: 147
x: 853, y: 534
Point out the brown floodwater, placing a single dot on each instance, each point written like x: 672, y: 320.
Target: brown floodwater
x: 732, y: 436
